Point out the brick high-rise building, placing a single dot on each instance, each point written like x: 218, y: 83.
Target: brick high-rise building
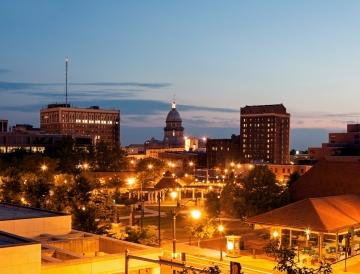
x: 99, y: 124
x: 265, y: 134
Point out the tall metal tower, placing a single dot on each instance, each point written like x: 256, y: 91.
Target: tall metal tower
x: 66, y: 80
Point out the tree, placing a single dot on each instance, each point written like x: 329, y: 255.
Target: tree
x: 149, y: 170
x: 109, y: 157
x: 148, y: 236
x: 212, y: 204
x: 293, y: 178
x: 204, y: 229
x: 11, y: 190
x: 256, y: 192
x: 286, y: 261
x: 37, y: 191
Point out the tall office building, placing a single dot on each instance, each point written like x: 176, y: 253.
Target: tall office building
x: 3, y: 126
x: 265, y: 134
x: 99, y: 124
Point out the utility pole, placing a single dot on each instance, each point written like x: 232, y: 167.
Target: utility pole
x: 66, y: 80
x: 159, y: 218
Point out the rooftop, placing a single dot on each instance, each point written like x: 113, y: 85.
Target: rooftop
x: 14, y: 212
x: 261, y: 109
x: 328, y: 178
x: 7, y: 239
x: 323, y: 214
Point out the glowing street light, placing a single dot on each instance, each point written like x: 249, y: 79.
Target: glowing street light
x: 173, y: 194
x: 131, y: 181
x: 85, y: 166
x: 196, y: 214
x: 44, y: 167
x: 275, y: 234
x: 150, y: 166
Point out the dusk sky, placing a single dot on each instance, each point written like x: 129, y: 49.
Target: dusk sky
x: 214, y: 56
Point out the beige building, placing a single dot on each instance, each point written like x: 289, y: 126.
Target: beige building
x: 99, y: 124
x: 283, y: 172
x: 35, y: 241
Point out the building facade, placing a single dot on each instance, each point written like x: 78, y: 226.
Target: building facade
x: 342, y: 146
x: 265, y: 134
x: 173, y: 131
x: 3, y: 126
x: 99, y: 124
x: 31, y: 139
x: 220, y: 152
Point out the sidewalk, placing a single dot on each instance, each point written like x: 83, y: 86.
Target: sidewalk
x: 249, y: 264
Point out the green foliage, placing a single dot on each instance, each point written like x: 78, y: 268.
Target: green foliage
x: 207, y: 270
x: 212, y: 204
x: 147, y: 175
x: 11, y: 189
x: 37, y: 191
x: 148, y: 236
x: 257, y: 192
x: 203, y: 229
x: 293, y: 178
x: 109, y: 158
x: 286, y: 261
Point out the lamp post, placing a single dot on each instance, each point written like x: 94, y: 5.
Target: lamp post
x: 221, y: 230
x: 195, y: 214
x: 159, y: 217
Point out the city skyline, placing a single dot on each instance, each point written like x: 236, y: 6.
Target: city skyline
x: 137, y: 56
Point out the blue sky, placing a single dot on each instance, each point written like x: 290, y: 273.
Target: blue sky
x: 215, y: 56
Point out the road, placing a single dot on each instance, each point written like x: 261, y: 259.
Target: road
x: 204, y: 257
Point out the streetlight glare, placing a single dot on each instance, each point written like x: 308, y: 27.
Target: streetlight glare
x: 221, y: 228
x: 275, y: 234
x: 196, y: 214
x: 130, y: 181
x: 150, y: 166
x: 44, y: 167
x: 173, y: 194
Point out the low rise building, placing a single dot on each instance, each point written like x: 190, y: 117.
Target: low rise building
x: 35, y: 241
x: 283, y: 172
x: 342, y: 146
x: 221, y: 152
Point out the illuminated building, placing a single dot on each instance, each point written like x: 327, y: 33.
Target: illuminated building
x: 174, y: 131
x: 265, y: 134
x: 99, y: 124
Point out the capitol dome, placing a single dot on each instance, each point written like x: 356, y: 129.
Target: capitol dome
x: 173, y: 115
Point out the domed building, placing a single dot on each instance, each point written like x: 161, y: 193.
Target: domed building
x: 173, y: 132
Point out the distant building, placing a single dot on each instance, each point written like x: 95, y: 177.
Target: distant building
x: 99, y: 124
x: 343, y: 146
x: 222, y: 151
x: 174, y: 131
x: 265, y: 134
x: 31, y: 139
x: 3, y: 126
x: 283, y: 172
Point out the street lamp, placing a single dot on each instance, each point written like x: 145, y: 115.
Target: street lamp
x: 131, y: 181
x: 85, y: 166
x: 44, y: 167
x: 195, y: 214
x: 221, y: 230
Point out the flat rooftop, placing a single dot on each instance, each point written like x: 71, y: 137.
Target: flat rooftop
x: 7, y: 239
x: 14, y: 212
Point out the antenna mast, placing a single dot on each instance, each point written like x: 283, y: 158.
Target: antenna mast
x: 66, y: 80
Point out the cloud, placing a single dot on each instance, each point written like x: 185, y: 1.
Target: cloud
x: 124, y: 84
x: 29, y: 85
x: 3, y: 71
